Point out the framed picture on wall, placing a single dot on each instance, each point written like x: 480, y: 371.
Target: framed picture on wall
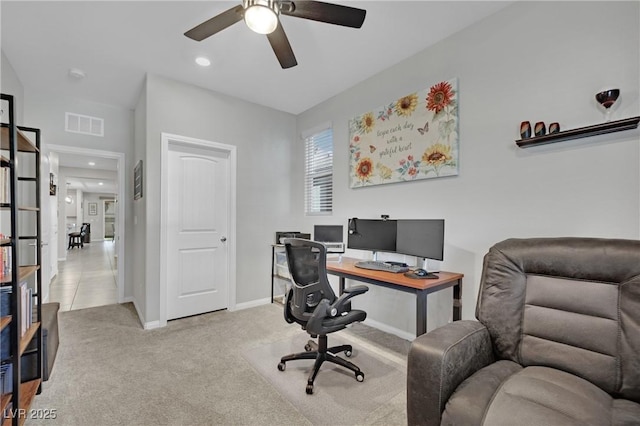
x: 52, y: 184
x: 93, y: 209
x: 137, y: 181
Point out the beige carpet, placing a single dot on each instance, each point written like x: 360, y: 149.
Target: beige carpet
x: 336, y: 394
x: 109, y: 371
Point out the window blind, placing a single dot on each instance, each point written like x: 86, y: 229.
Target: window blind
x: 319, y: 172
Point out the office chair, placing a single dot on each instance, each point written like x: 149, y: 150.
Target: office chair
x: 312, y: 303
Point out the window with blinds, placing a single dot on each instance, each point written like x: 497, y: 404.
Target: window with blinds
x: 319, y: 172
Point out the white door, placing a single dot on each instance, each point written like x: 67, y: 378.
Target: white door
x: 197, y: 224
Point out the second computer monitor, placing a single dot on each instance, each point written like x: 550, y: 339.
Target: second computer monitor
x: 421, y: 238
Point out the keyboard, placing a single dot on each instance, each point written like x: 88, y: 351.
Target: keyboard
x: 381, y: 266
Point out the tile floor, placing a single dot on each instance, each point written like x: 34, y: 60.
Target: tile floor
x: 87, y: 278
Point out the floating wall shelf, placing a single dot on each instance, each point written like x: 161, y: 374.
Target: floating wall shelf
x: 581, y: 132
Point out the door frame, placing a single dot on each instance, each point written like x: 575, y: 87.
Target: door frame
x: 120, y: 157
x: 169, y: 140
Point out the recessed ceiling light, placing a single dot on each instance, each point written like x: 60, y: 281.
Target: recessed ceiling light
x: 202, y: 61
x: 91, y: 163
x: 77, y: 73
x: 100, y: 183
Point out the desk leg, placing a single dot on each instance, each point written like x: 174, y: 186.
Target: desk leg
x: 457, y: 301
x: 341, y: 286
x: 421, y: 313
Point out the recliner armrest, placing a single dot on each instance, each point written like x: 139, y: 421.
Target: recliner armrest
x: 438, y: 362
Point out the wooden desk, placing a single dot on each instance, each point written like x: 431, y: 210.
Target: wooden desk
x: 420, y: 287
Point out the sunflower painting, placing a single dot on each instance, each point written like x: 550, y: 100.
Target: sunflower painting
x: 413, y: 137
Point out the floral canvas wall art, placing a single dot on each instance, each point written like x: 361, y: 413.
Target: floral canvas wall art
x: 414, y: 137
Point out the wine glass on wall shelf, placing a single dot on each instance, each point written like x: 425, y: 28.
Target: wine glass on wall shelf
x: 607, y: 98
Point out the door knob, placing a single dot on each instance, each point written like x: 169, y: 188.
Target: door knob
x: 223, y: 239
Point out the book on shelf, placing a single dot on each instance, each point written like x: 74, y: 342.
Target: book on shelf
x: 26, y: 305
x: 25, y: 297
x: 4, y: 185
x: 5, y: 259
x: 6, y: 386
x: 6, y: 378
x: 5, y: 309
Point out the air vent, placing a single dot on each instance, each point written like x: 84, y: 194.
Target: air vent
x: 84, y: 124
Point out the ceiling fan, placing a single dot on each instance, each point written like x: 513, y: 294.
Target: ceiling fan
x: 262, y: 17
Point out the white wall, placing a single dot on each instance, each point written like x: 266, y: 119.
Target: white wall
x: 537, y: 61
x: 264, y: 139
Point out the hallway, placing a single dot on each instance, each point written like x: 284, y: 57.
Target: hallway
x: 87, y: 278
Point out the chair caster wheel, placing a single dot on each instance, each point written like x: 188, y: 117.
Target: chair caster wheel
x: 308, y: 347
x: 347, y: 353
x: 360, y: 376
x: 282, y: 366
x: 309, y: 389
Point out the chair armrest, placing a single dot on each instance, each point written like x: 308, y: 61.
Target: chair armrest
x: 356, y: 289
x: 328, y: 310
x: 288, y: 316
x: 438, y: 362
x: 342, y: 304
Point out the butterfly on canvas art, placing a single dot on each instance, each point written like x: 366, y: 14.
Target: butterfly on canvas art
x: 424, y: 129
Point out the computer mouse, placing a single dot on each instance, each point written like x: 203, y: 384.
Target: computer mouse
x: 421, y: 272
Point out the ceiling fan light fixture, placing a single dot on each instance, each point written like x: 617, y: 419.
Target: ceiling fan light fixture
x: 261, y: 16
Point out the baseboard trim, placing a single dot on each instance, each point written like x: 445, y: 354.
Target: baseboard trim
x: 252, y: 304
x: 151, y: 325
x: 146, y: 325
x: 391, y: 330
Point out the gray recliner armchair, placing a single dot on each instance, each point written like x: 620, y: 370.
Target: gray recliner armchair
x: 557, y: 341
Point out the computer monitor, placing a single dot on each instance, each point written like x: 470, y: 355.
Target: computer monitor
x: 422, y: 238
x: 330, y: 236
x: 372, y: 235
x: 327, y: 233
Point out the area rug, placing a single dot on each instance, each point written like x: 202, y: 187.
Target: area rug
x: 337, y: 397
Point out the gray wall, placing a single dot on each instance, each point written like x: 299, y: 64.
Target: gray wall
x: 531, y: 61
x: 10, y: 84
x: 537, y: 61
x: 264, y: 138
x: 139, y: 243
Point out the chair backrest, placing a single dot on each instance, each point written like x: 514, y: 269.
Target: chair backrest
x: 83, y: 228
x: 567, y: 303
x: 307, y: 261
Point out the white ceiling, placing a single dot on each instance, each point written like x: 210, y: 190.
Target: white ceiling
x: 83, y: 177
x: 94, y: 185
x: 116, y: 42
x: 82, y: 162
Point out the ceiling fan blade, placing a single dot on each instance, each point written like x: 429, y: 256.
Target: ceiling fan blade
x: 325, y: 12
x: 282, y: 48
x: 216, y: 24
